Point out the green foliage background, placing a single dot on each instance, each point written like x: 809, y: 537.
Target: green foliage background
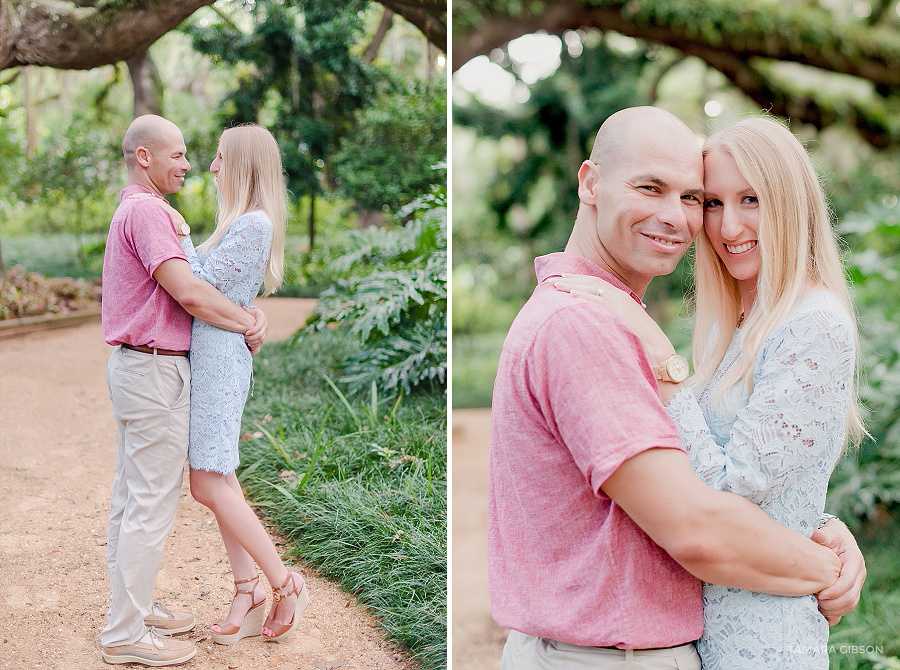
x: 514, y: 199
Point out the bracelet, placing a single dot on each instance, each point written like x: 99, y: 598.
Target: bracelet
x: 825, y: 518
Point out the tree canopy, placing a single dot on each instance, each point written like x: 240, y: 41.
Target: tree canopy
x: 83, y: 34
x: 743, y: 39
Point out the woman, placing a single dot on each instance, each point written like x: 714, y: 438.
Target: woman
x: 773, y: 398
x: 245, y: 251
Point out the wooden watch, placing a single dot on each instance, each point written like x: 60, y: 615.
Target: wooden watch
x: 674, y: 369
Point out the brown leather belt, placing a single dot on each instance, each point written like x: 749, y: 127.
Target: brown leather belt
x: 149, y: 350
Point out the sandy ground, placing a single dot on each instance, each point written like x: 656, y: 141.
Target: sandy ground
x: 477, y: 640
x: 57, y: 456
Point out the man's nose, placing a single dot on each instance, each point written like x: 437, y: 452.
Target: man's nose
x: 673, y: 212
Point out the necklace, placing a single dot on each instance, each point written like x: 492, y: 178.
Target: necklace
x: 740, y: 320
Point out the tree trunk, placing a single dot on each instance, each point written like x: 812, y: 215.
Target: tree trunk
x: 146, y: 84
x: 369, y: 217
x: 29, y: 95
x: 387, y: 20
x: 312, y: 219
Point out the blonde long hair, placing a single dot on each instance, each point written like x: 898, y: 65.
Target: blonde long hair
x: 251, y: 178
x: 798, y: 248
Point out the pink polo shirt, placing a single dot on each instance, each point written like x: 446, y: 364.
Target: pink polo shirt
x: 135, y: 309
x: 573, y: 399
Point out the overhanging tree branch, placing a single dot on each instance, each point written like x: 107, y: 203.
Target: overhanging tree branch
x: 754, y: 81
x: 805, y: 35
x: 427, y: 15
x: 62, y: 35
x: 83, y: 34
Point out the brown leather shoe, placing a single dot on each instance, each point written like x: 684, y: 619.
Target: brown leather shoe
x: 168, y: 623
x: 153, y: 649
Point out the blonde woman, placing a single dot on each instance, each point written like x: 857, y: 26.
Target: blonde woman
x: 245, y: 252
x: 773, y: 401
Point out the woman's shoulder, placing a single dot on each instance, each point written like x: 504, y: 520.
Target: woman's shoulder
x: 819, y: 317
x: 824, y: 308
x: 253, y: 218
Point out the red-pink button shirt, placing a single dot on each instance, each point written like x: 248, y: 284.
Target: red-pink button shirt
x: 573, y: 399
x: 135, y: 309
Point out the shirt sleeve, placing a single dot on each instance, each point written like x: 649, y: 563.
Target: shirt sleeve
x: 600, y: 397
x: 245, y: 245
x: 803, y: 379
x: 151, y: 233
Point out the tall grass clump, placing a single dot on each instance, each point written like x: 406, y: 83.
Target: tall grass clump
x: 356, y: 483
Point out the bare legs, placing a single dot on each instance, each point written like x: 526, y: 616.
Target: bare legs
x: 246, y: 542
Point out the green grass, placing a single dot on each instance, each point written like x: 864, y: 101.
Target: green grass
x: 358, y: 485
x: 56, y: 254
x: 869, y: 637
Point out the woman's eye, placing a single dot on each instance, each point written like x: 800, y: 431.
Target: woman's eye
x: 712, y: 202
x: 751, y: 199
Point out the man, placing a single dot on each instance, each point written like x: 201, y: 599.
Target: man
x: 598, y: 529
x: 149, y: 297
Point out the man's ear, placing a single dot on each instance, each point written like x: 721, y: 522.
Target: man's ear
x: 588, y: 179
x: 142, y: 156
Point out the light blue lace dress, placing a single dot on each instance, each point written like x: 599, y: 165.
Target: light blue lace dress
x: 776, y: 448
x: 221, y: 366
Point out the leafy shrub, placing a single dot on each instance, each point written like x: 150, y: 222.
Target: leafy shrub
x: 28, y: 293
x: 392, y: 295
x: 867, y: 483
x: 384, y: 163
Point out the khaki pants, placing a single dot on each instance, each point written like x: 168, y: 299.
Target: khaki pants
x: 527, y: 652
x: 150, y: 396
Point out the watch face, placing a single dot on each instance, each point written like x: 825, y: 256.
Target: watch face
x: 677, y: 368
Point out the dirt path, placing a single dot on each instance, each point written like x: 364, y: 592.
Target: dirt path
x: 57, y: 456
x: 477, y: 640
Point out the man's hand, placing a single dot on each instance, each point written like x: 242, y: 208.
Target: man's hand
x: 258, y: 332
x: 842, y: 596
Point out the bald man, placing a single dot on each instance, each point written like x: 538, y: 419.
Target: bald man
x: 598, y: 530
x: 149, y: 298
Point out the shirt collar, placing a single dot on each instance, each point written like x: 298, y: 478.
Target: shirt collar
x: 555, y: 264
x: 131, y: 189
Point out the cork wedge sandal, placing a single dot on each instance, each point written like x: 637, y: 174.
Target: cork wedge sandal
x: 253, y: 620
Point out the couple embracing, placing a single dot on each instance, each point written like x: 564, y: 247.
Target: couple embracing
x: 184, y: 330
x: 641, y: 519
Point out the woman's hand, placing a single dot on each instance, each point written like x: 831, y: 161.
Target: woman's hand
x: 258, y: 331
x: 625, y: 307
x: 842, y: 596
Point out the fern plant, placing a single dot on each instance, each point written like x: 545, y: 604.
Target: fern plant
x: 392, y: 295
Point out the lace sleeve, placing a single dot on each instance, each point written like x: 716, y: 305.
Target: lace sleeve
x: 802, y: 383
x: 242, y: 246
x: 707, y: 457
x: 188, y: 247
